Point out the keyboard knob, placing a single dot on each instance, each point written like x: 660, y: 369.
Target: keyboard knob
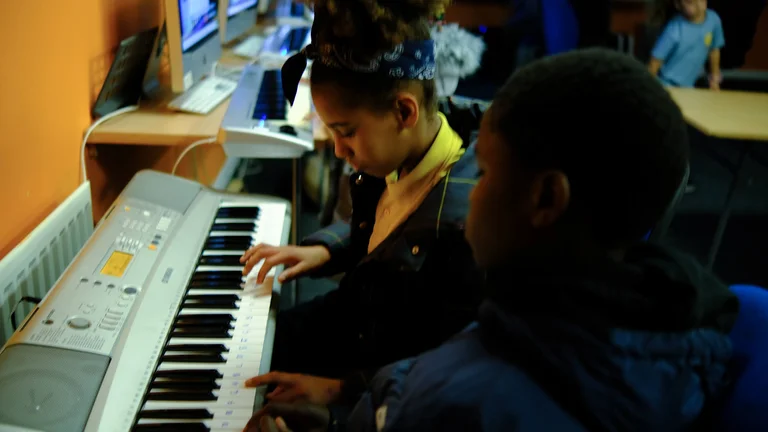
x: 288, y: 130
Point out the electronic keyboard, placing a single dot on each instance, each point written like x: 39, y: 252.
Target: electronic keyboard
x: 150, y: 328
x: 259, y: 123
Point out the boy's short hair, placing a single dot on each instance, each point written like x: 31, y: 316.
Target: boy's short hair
x: 602, y: 119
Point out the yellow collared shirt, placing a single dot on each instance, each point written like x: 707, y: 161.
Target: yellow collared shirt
x: 404, y: 194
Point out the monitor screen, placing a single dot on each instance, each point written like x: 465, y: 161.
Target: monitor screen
x: 237, y: 6
x: 198, y: 20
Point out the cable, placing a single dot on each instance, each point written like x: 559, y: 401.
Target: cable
x: 102, y: 119
x: 24, y: 299
x: 231, y: 72
x: 197, y: 143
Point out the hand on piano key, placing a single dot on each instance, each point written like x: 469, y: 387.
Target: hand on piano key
x: 298, y: 388
x: 282, y: 417
x: 297, y: 260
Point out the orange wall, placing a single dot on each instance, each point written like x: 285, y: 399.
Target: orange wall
x: 55, y: 55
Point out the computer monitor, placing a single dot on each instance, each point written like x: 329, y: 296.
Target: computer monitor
x: 240, y: 16
x: 193, y: 40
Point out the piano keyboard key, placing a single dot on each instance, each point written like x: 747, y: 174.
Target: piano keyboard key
x: 195, y: 413
x: 221, y: 260
x: 232, y: 371
x: 207, y: 253
x: 172, y: 427
x: 215, y: 342
x: 234, y: 424
x: 234, y: 226
x: 238, y: 212
x: 238, y: 220
x: 250, y: 348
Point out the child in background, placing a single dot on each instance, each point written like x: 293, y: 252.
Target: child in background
x: 692, y: 35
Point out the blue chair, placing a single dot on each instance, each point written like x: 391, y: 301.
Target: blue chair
x: 745, y: 409
x: 561, y: 29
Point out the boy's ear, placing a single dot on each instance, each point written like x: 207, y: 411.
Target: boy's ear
x: 407, y: 110
x: 551, y: 196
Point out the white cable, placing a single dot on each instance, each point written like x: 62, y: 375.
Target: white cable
x: 83, y: 173
x: 197, y: 143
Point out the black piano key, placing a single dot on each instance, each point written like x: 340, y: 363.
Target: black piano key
x: 238, y: 212
x: 182, y: 396
x: 219, y: 242
x: 230, y: 275
x: 206, y: 348
x: 217, y: 284
x: 196, y: 381
x: 221, y: 260
x: 228, y: 238
x: 201, y: 329
x: 212, y: 297
x: 215, y: 318
x: 208, y: 332
x: 202, y: 323
x: 205, y: 317
x: 193, y: 358
x: 172, y: 427
x: 189, y: 373
x: 176, y: 414
x: 228, y: 247
x: 185, y: 385
x: 200, y: 305
x: 234, y: 226
x: 192, y: 325
x: 199, y: 334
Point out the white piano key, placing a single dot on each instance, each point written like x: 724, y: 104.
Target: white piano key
x: 249, y: 311
x: 221, y: 403
x: 250, y: 348
x: 227, y: 372
x: 236, y: 220
x: 204, y: 291
x: 251, y: 234
x: 253, y: 312
x: 214, y: 252
x: 228, y: 393
x: 239, y: 204
x: 209, y: 268
x: 233, y: 364
x: 234, y: 423
x: 224, y: 383
x: 253, y: 357
x: 218, y: 413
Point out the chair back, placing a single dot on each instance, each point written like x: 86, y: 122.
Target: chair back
x: 745, y: 408
x: 561, y: 28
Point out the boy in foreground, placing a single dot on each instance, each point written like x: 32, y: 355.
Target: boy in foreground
x: 585, y: 327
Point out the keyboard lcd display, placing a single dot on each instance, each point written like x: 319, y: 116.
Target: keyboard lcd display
x: 117, y: 264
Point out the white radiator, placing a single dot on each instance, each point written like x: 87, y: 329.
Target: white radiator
x: 34, y: 266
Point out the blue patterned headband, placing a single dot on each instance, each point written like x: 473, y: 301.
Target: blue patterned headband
x: 410, y: 60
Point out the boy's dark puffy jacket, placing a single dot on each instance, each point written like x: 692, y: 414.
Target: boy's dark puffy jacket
x: 638, y: 346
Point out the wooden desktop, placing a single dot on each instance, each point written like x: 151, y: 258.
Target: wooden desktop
x: 725, y: 114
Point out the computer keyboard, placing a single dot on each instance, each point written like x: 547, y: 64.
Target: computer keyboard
x: 203, y: 97
x: 250, y: 47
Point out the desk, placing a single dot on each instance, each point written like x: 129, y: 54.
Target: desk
x: 154, y: 137
x: 725, y: 114
x: 737, y: 118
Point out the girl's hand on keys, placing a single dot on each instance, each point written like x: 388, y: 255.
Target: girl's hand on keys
x: 297, y: 260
